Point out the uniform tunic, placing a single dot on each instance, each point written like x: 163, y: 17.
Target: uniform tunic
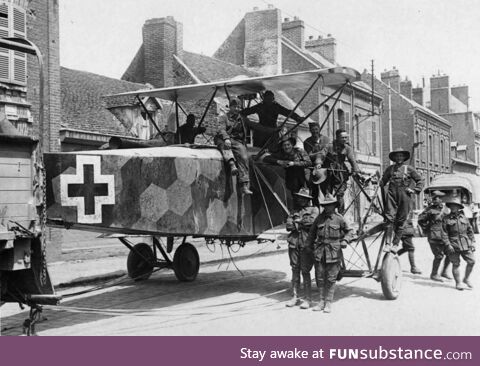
x: 430, y: 220
x: 458, y: 233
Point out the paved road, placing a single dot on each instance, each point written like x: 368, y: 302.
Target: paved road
x: 223, y: 302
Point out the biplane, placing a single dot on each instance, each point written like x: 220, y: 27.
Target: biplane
x: 179, y: 191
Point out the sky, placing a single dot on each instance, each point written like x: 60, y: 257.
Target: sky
x: 419, y: 37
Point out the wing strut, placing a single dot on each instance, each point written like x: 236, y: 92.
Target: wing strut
x: 208, y: 107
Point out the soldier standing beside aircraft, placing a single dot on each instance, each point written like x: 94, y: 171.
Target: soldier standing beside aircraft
x: 301, y: 258
x: 333, y: 158
x: 430, y: 220
x: 187, y: 132
x: 328, y: 235
x: 459, y: 241
x: 403, y: 180
x: 268, y: 111
x: 231, y: 142
x: 408, y: 247
x: 313, y: 145
x: 295, y: 161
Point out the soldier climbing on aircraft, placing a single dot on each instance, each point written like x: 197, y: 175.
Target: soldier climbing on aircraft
x: 333, y: 158
x: 230, y: 140
x: 187, y: 132
x: 403, y: 181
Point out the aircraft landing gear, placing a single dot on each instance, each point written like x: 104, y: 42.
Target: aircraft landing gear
x: 391, y: 276
x: 140, y: 262
x: 186, y: 262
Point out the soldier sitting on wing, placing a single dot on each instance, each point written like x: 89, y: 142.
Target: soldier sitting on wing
x: 403, y: 181
x: 328, y: 235
x: 459, y: 242
x: 295, y: 161
x: 301, y: 258
x: 333, y: 158
x: 230, y: 140
x: 430, y: 220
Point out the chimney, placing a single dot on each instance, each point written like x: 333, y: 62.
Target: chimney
x: 263, y: 29
x: 162, y: 38
x: 406, y: 88
x: 326, y: 47
x: 294, y: 30
x: 439, y: 94
x: 461, y: 93
x: 392, y: 78
x: 417, y: 95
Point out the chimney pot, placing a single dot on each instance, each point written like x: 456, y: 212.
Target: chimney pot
x: 287, y: 19
x: 329, y: 35
x: 320, y: 37
x: 310, y: 37
x: 296, y: 18
x: 255, y: 8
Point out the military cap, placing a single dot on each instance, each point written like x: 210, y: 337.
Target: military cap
x: 399, y: 150
x: 454, y: 201
x: 313, y: 124
x: 437, y: 194
x: 288, y: 137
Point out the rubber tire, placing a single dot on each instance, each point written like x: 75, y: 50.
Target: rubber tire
x: 391, y: 276
x: 186, y: 262
x: 137, y: 268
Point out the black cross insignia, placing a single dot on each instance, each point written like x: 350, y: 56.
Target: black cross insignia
x: 88, y: 190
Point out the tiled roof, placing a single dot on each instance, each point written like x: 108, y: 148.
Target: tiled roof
x: 211, y: 69
x: 82, y: 105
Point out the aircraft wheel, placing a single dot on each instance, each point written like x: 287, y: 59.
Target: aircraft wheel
x: 140, y: 262
x: 186, y: 262
x: 391, y: 276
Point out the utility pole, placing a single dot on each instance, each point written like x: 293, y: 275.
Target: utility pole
x: 373, y: 89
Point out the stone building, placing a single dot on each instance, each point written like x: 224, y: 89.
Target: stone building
x: 406, y: 122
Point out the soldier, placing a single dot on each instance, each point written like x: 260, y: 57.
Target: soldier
x: 408, y: 247
x: 430, y: 220
x: 230, y: 140
x: 333, y: 158
x: 187, y: 132
x: 459, y: 241
x: 328, y: 235
x: 403, y: 180
x: 268, y: 111
x: 295, y: 161
x: 313, y: 145
x: 301, y: 258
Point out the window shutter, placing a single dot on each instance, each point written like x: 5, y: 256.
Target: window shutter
x: 4, y: 53
x: 19, y: 58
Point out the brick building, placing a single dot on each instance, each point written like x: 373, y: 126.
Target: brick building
x: 405, y: 122
x: 452, y: 103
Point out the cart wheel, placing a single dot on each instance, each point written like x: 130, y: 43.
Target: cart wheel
x: 391, y: 276
x: 140, y: 262
x: 186, y: 262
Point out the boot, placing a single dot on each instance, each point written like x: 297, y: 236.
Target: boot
x: 307, y: 286
x: 456, y: 275
x: 413, y: 267
x: 401, y: 251
x: 233, y: 168
x: 434, y: 276
x: 321, y: 302
x: 245, y: 188
x: 295, y: 285
x: 466, y: 279
x: 330, y: 290
x: 446, y: 264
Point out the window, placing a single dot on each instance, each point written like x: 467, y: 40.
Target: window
x: 341, y: 119
x: 13, y: 64
x: 330, y: 124
x: 374, y: 136
x: 356, y: 133
x: 417, y: 150
x: 347, y: 124
x: 430, y: 149
x: 442, y: 153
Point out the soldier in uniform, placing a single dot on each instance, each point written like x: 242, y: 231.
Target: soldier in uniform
x: 187, y: 132
x: 408, y: 247
x: 403, y: 181
x: 313, y: 145
x: 296, y: 162
x: 333, y: 158
x: 230, y: 140
x: 328, y: 235
x: 459, y: 242
x: 430, y: 220
x: 301, y: 258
